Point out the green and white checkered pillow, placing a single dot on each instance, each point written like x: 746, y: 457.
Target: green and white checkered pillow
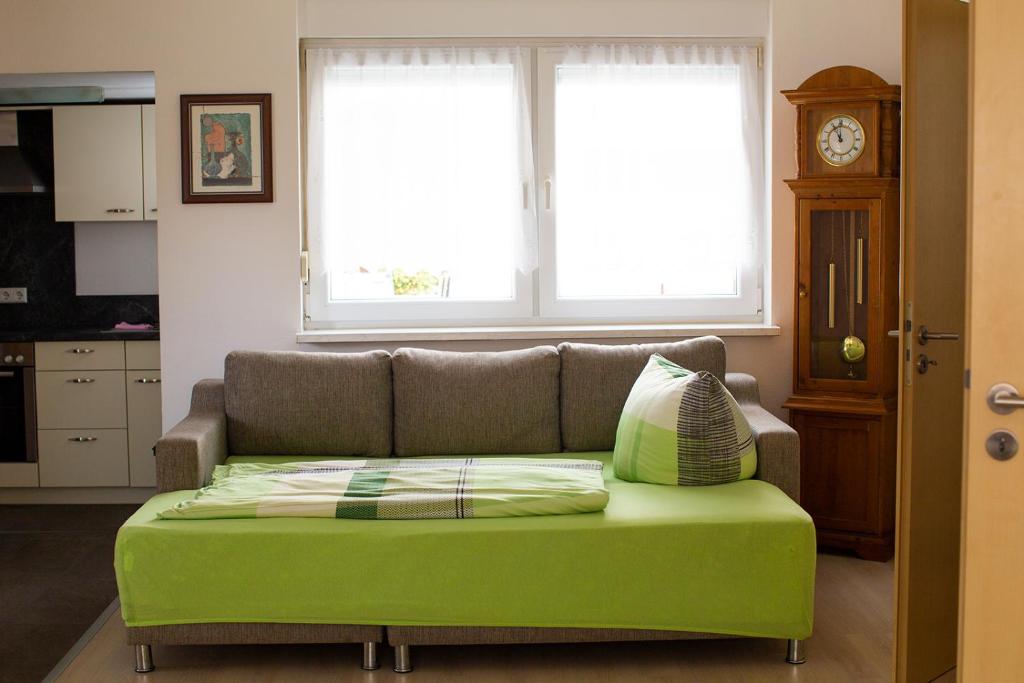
x: 682, y: 428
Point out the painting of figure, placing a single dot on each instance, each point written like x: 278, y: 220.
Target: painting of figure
x: 225, y: 148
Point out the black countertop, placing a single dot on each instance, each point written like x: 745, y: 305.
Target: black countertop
x: 77, y: 335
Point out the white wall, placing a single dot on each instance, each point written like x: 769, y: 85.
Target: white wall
x: 803, y: 37
x: 462, y: 18
x: 806, y: 37
x: 228, y: 273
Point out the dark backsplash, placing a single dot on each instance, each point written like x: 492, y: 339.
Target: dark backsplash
x: 38, y: 253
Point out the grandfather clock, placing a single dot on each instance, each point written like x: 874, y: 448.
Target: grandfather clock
x: 847, y: 299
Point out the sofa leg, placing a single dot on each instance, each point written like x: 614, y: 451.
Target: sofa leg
x: 143, y: 659
x: 370, y: 662
x: 403, y: 659
x: 795, y: 651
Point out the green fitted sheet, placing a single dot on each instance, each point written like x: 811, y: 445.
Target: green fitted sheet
x: 736, y: 558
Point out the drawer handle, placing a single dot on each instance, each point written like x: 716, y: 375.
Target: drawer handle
x: 81, y: 380
x: 81, y: 350
x: 147, y: 380
x: 120, y: 210
x: 83, y: 439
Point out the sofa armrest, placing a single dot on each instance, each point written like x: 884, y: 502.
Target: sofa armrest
x: 187, y: 454
x: 778, y: 446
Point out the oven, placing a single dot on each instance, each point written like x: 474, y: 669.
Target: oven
x: 17, y: 403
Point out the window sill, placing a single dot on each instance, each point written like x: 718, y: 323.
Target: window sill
x: 503, y: 332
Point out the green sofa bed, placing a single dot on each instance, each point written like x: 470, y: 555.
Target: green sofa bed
x: 660, y: 562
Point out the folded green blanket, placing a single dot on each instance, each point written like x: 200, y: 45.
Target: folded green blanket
x: 416, y: 488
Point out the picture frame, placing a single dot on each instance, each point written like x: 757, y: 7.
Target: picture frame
x: 226, y: 149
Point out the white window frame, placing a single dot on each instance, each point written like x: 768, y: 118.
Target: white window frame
x: 535, y: 302
x: 745, y: 306
x: 415, y: 310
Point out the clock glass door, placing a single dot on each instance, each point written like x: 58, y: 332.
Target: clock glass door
x: 837, y: 295
x: 838, y: 309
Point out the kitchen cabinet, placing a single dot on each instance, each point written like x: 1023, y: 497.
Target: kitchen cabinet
x: 70, y: 400
x: 149, y: 161
x: 83, y: 457
x: 99, y: 412
x: 145, y: 417
x: 99, y: 160
x: 92, y: 355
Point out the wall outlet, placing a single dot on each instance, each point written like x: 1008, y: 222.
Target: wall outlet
x: 13, y: 295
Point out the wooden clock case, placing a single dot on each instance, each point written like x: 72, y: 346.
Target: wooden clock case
x: 847, y: 282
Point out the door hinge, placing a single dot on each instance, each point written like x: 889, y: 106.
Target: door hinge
x: 760, y: 57
x: 304, y: 267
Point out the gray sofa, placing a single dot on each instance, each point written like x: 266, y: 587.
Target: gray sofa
x: 419, y: 402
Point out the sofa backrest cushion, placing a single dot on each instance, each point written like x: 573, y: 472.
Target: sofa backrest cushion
x: 295, y: 403
x: 597, y: 379
x: 476, y: 403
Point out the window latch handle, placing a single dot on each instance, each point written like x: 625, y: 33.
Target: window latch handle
x: 547, y: 194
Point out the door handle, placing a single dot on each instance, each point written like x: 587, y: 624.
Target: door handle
x: 83, y: 439
x: 146, y: 380
x: 924, y: 336
x: 1003, y: 399
x: 81, y: 380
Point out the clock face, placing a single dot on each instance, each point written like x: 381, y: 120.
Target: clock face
x: 841, y: 140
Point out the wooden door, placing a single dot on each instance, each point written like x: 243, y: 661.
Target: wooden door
x: 992, y: 602
x: 934, y: 237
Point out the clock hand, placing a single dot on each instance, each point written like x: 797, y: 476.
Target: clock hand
x: 839, y: 133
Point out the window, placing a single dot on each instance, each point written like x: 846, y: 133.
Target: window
x: 424, y: 203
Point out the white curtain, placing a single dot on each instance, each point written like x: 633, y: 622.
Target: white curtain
x: 421, y: 159
x: 659, y: 169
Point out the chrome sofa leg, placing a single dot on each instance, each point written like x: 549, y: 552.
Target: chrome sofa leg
x: 403, y: 660
x: 143, y: 659
x: 370, y: 662
x: 795, y: 651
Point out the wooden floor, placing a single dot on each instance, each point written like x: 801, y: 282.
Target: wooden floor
x: 852, y: 642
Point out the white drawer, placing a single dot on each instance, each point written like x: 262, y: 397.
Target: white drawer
x: 83, y: 457
x: 142, y: 355
x: 72, y: 355
x: 144, y: 424
x: 83, y: 399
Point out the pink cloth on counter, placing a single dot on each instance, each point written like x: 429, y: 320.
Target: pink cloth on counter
x: 133, y: 326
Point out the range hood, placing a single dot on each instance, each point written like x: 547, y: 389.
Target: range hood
x: 16, y: 174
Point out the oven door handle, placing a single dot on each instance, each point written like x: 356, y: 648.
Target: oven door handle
x: 6, y: 373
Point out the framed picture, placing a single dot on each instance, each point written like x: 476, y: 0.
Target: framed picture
x: 226, y: 149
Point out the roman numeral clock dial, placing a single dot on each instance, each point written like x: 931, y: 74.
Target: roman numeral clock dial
x: 841, y: 140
